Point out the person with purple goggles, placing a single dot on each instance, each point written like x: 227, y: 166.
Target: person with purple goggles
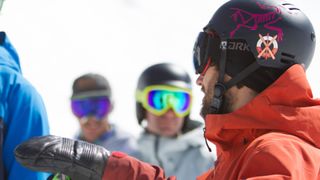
x: 91, y: 103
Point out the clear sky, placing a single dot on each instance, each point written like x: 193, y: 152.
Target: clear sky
x: 58, y: 40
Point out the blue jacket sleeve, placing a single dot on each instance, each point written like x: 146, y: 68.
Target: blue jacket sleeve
x: 21, y: 110
x: 25, y: 116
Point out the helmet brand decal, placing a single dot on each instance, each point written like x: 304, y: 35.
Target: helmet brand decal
x: 252, y: 21
x: 240, y: 46
x: 264, y: 46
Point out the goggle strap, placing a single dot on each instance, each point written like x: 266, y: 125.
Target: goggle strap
x: 139, y: 96
x: 91, y: 94
x: 213, y: 43
x: 208, y: 50
x: 220, y: 88
x: 213, y: 48
x: 206, y: 67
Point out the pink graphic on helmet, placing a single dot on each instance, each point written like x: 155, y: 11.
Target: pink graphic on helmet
x: 252, y: 21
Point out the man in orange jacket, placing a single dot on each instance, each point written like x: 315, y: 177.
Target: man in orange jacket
x: 258, y: 105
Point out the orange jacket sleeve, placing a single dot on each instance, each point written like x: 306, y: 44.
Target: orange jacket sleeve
x: 122, y: 166
x: 286, y: 158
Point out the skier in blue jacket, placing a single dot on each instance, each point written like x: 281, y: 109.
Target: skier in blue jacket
x: 22, y: 114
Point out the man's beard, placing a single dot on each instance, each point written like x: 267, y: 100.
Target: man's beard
x: 207, y: 101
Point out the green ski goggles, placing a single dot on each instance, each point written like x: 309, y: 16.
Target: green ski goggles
x: 158, y: 99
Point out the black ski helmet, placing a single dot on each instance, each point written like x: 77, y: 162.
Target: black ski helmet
x: 254, y: 41
x: 161, y: 74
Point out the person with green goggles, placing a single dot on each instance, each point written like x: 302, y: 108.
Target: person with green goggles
x: 170, y: 138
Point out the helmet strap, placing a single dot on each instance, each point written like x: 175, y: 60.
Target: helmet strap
x: 243, y: 74
x: 220, y: 88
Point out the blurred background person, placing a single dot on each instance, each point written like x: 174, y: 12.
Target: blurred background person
x: 91, y: 103
x: 170, y: 138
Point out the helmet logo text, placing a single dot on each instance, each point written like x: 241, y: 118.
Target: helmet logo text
x: 238, y: 46
x: 264, y: 46
x: 252, y: 21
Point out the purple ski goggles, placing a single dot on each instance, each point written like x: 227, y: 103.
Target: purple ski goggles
x: 94, y: 106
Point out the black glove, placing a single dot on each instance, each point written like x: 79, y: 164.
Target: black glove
x: 77, y: 159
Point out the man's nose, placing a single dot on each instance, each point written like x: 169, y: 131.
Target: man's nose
x: 88, y: 119
x: 199, y: 80
x: 170, y: 114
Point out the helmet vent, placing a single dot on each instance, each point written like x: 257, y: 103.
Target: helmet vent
x: 290, y: 6
x: 287, y: 58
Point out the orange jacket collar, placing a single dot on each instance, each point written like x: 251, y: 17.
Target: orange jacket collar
x: 285, y: 106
